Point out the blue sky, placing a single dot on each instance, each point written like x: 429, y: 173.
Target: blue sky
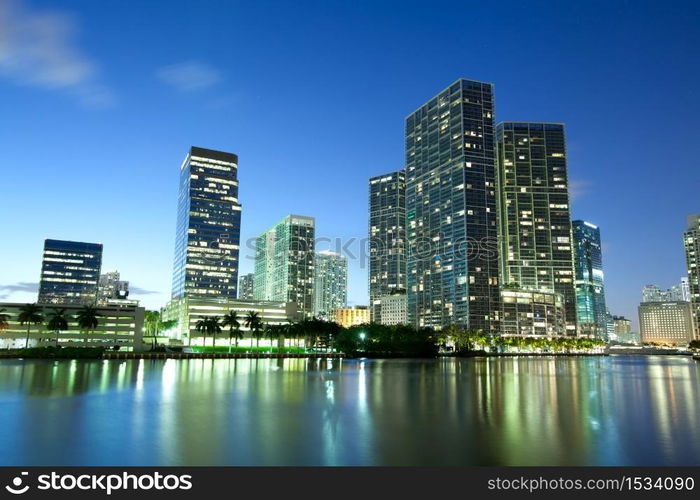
x: 101, y: 100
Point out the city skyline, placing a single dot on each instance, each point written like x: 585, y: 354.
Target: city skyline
x: 145, y: 213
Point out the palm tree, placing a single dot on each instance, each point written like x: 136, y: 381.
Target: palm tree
x: 58, y: 321
x: 231, y: 321
x: 255, y: 324
x: 30, y: 314
x: 87, y: 319
x: 4, y: 321
x: 209, y: 325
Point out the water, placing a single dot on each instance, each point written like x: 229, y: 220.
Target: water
x: 618, y: 410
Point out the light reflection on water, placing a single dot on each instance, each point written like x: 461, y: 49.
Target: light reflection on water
x: 618, y: 410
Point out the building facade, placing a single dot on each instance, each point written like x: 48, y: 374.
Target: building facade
x: 691, y: 242
x: 284, y: 263
x: 208, y: 226
x: 652, y: 293
x: 387, y: 238
x: 666, y: 322
x: 351, y: 316
x: 70, y: 271
x: 111, y: 287
x: 535, y: 222
x: 591, y: 312
x: 246, y: 288
x: 451, y: 225
x: 530, y: 313
x: 393, y: 309
x: 331, y: 284
x: 117, y: 326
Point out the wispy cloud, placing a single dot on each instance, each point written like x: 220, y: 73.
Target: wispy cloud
x: 189, y: 76
x: 578, y: 188
x: 135, y: 290
x: 37, y: 48
x: 21, y: 287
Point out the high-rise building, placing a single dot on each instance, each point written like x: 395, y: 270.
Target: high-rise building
x: 590, y: 295
x: 284, y: 263
x: 387, y: 238
x: 110, y: 287
x: 652, y: 293
x: 70, y: 271
x: 331, y: 284
x: 393, y: 309
x: 691, y: 240
x: 246, y: 289
x: 685, y: 289
x: 534, y: 212
x: 532, y: 313
x: 666, y: 322
x: 452, y: 260
x: 208, y: 226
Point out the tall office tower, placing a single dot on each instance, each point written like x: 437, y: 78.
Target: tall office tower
x: 452, y: 259
x: 284, y: 263
x: 685, y: 289
x: 691, y: 240
x: 590, y: 295
x: 387, y: 238
x: 535, y: 221
x: 245, y: 287
x: 110, y: 287
x: 208, y: 226
x: 70, y: 271
x: 331, y: 284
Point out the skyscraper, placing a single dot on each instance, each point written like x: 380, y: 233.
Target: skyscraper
x: 245, y: 287
x: 387, y: 238
x: 331, y: 284
x: 70, y: 271
x: 208, y: 226
x: 284, y: 263
x: 535, y: 221
x: 591, y: 312
x: 691, y: 240
x: 111, y: 287
x: 452, y: 260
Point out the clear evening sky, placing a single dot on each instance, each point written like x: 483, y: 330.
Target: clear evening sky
x: 100, y: 101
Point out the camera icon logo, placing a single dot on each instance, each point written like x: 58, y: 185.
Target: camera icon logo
x: 16, y: 488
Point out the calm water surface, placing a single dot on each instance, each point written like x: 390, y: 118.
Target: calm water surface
x: 618, y: 410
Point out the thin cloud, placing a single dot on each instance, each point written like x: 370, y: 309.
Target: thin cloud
x: 140, y: 291
x: 189, y: 76
x: 21, y: 287
x: 37, y: 49
x: 578, y: 189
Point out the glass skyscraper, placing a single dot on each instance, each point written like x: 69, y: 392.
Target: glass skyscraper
x: 452, y: 264
x: 535, y: 222
x: 387, y: 238
x: 591, y: 312
x: 246, y: 287
x: 70, y: 271
x: 284, y: 263
x: 330, y: 284
x: 691, y: 241
x: 208, y: 226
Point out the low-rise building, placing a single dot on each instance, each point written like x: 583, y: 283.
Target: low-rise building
x: 117, y: 326
x: 666, y: 322
x: 350, y: 316
x: 529, y: 313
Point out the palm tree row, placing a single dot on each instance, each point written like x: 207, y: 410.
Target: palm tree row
x: 57, y: 320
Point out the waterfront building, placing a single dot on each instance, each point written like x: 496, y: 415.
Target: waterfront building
x: 208, y: 226
x: 118, y: 326
x: 534, y: 212
x: 387, y: 238
x: 666, y: 322
x: 532, y: 313
x: 331, y: 284
x: 111, y: 287
x: 691, y: 242
x: 246, y: 289
x: 591, y: 312
x: 187, y: 311
x: 452, y: 260
x: 70, y: 271
x: 350, y: 316
x: 393, y: 309
x: 622, y: 325
x: 284, y: 263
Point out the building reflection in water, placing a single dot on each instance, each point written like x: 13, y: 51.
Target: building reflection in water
x: 482, y: 411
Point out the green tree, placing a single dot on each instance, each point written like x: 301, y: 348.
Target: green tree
x: 209, y: 326
x: 30, y: 314
x: 57, y: 321
x: 233, y: 322
x: 87, y: 319
x: 255, y: 325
